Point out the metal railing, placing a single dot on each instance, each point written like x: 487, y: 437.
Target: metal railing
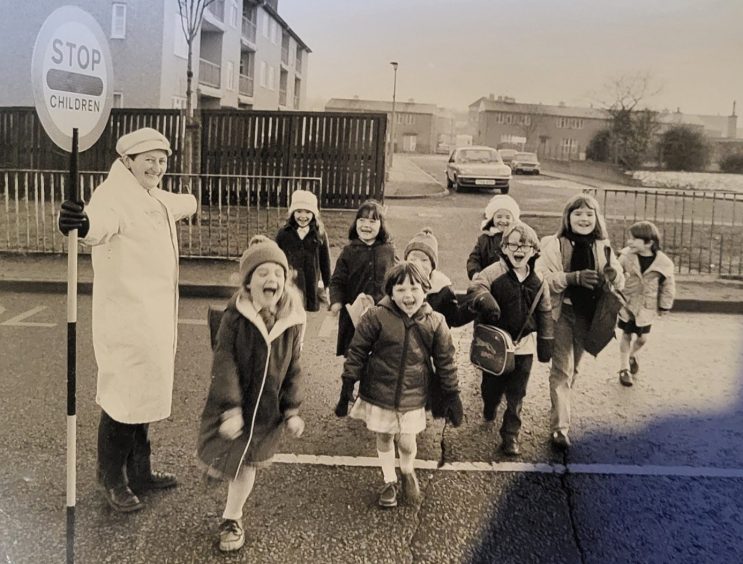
x: 245, y: 85
x: 231, y: 209
x: 210, y: 73
x: 701, y: 231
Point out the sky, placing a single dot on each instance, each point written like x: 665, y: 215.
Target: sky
x: 452, y: 52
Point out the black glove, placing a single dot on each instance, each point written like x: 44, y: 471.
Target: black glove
x: 544, y: 349
x: 487, y: 307
x: 454, y: 411
x: 72, y: 216
x: 341, y: 409
x: 587, y: 278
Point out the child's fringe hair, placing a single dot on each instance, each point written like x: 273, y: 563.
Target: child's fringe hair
x: 399, y: 272
x: 648, y: 232
x: 374, y: 210
x: 583, y: 201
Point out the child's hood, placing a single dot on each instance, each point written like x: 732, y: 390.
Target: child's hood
x: 296, y: 314
x: 439, y: 281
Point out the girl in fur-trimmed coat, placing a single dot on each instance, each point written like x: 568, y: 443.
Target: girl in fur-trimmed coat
x: 255, y: 390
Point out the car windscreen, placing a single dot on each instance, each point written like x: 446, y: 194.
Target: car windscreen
x: 478, y: 156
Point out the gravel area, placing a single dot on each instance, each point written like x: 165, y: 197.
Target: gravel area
x: 690, y: 180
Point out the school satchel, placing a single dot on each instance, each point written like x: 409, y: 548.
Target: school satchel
x: 604, y: 319
x: 492, y: 348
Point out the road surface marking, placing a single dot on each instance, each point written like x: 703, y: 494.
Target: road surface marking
x: 17, y: 321
x: 522, y: 467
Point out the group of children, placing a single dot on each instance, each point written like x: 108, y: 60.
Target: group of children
x: 400, y: 352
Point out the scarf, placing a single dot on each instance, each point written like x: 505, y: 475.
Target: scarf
x: 584, y: 299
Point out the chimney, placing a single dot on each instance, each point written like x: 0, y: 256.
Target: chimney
x: 491, y: 96
x: 561, y: 104
x: 411, y: 100
x: 355, y: 96
x: 732, y: 124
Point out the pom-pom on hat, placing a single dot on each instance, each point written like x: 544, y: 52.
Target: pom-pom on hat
x: 141, y: 141
x: 426, y: 242
x: 501, y: 202
x: 303, y: 200
x: 261, y: 249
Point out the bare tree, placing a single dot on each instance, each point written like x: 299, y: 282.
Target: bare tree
x: 192, y: 14
x: 531, y: 122
x: 633, y: 126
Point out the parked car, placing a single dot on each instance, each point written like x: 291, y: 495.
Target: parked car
x: 507, y: 155
x: 477, y: 166
x: 443, y: 149
x: 525, y: 163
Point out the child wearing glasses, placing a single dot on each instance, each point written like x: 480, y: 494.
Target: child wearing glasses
x: 502, y: 295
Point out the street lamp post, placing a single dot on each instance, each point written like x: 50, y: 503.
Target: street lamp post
x: 392, y: 128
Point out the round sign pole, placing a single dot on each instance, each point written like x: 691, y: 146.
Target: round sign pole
x: 72, y: 80
x: 72, y: 360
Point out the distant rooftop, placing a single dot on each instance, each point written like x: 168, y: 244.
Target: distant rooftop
x: 384, y: 106
x: 506, y: 104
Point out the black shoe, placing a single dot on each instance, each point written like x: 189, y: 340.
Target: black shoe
x: 510, y: 446
x: 155, y: 481
x: 560, y: 440
x: 625, y: 378
x: 634, y: 366
x: 122, y: 499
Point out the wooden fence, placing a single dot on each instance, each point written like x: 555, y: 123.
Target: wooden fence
x: 346, y: 151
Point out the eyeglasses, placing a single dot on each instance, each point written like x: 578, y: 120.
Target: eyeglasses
x: 517, y: 247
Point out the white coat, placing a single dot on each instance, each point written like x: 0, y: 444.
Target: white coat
x: 135, y: 294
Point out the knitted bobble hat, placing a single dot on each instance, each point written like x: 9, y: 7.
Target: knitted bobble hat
x: 501, y: 202
x: 260, y: 249
x: 426, y: 242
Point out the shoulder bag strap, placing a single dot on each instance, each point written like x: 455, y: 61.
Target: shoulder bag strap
x: 531, y: 311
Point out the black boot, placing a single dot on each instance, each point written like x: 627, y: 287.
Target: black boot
x: 139, y: 469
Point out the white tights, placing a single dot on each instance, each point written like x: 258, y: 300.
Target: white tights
x: 407, y: 447
x: 238, y: 491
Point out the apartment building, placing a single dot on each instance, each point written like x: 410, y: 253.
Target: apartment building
x: 553, y: 131
x: 246, y: 55
x: 415, y: 123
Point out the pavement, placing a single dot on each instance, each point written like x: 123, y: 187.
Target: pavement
x: 407, y: 181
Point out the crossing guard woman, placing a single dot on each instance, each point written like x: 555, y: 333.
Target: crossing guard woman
x: 130, y: 225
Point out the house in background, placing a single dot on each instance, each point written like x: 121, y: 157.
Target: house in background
x: 415, y: 123
x: 557, y: 132
x: 246, y: 55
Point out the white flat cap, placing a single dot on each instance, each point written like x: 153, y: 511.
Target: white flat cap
x: 141, y: 141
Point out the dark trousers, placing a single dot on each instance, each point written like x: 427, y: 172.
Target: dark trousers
x: 513, y: 385
x: 123, y: 452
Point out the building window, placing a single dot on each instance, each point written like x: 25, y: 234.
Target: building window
x: 569, y: 123
x: 298, y: 59
x: 230, y: 70
x: 118, y: 21
x: 266, y: 25
x: 118, y: 101
x: 405, y: 119
x: 297, y: 92
x: 274, y: 32
x: 179, y: 102
x: 271, y: 78
x: 568, y: 146
x: 234, y: 14
x: 262, y: 77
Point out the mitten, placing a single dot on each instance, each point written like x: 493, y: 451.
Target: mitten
x: 454, y: 411
x: 295, y: 426
x: 488, y: 308
x: 610, y: 273
x: 544, y: 349
x: 341, y: 409
x: 72, y: 216
x: 232, y: 423
x: 587, y: 278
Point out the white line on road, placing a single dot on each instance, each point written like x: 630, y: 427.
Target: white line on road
x: 522, y: 467
x: 17, y: 321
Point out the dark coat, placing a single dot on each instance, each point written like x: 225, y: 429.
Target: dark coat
x: 387, y: 355
x: 441, y: 298
x: 309, y: 257
x: 514, y: 298
x: 359, y: 269
x: 258, y: 372
x: 485, y: 252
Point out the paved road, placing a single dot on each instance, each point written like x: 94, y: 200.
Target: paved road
x: 656, y: 474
